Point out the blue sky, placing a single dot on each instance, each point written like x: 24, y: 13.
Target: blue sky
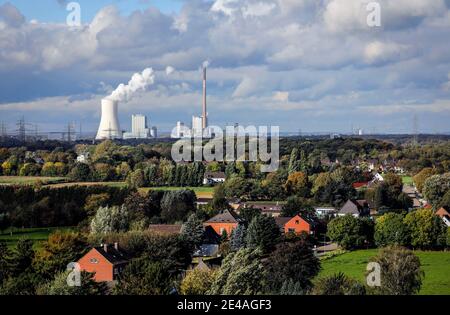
x: 55, y: 11
x: 299, y: 64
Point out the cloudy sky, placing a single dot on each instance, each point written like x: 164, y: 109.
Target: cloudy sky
x: 313, y: 65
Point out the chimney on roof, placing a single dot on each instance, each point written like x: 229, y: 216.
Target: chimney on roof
x: 105, y: 247
x: 116, y: 246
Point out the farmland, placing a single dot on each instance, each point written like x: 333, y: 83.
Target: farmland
x: 37, y: 235
x: 435, y: 264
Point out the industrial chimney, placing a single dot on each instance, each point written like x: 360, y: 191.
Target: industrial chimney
x: 205, y: 113
x: 109, y: 124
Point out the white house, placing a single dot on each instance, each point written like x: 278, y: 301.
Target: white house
x: 83, y: 158
x: 213, y: 178
x: 325, y: 211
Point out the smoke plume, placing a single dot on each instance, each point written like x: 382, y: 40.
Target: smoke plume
x: 170, y: 70
x: 139, y: 82
x: 205, y: 64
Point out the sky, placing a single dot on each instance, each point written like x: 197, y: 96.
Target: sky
x: 309, y: 65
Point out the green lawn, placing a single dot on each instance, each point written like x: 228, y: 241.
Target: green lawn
x: 37, y: 235
x: 436, y: 266
x: 407, y: 180
x: 29, y: 180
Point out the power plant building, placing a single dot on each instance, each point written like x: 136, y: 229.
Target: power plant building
x: 109, y: 124
x: 197, y: 126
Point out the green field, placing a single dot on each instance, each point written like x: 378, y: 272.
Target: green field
x: 436, y: 266
x: 407, y: 180
x: 30, y: 180
x: 37, y: 235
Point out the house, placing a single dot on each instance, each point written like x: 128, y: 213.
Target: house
x: 360, y: 185
x: 268, y: 208
x: 203, y: 201
x: 226, y: 221
x: 325, y: 211
x: 83, y: 158
x: 357, y: 208
x: 210, y: 244
x: 296, y: 225
x: 211, y: 178
x: 444, y: 214
x: 106, y: 261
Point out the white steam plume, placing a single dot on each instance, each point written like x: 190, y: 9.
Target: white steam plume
x: 138, y: 82
x: 170, y: 70
x: 205, y: 64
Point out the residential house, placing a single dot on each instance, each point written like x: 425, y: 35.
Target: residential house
x: 83, y: 157
x: 357, y: 208
x: 360, y: 185
x: 296, y: 225
x: 325, y: 211
x: 106, y: 261
x: 444, y: 214
x: 272, y: 209
x: 211, y: 178
x: 210, y: 244
x: 203, y: 201
x: 226, y: 221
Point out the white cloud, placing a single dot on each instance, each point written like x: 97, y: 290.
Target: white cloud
x: 305, y: 55
x: 281, y: 96
x: 378, y: 51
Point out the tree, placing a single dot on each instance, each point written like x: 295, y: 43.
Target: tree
x: 110, y: 219
x: 297, y: 184
x: 22, y: 257
x: 338, y: 284
x: 419, y: 178
x: 192, y: 231
x: 237, y: 239
x: 144, y: 277
x: 219, y: 202
x: 197, y: 282
x: 394, y: 183
x: 80, y: 172
x: 241, y: 273
x: 425, y: 227
x: 60, y: 249
x: 390, y: 229
x: 445, y: 202
x: 175, y: 205
x: 136, y: 179
x: 291, y: 261
x: 29, y: 169
x: 349, y: 232
x: 140, y: 207
x: 248, y: 213
x: 95, y: 201
x: 322, y: 180
x: 4, y: 221
x: 435, y: 187
x: 5, y: 263
x: 263, y: 233
x: 59, y: 286
x: 296, y: 205
x: 400, y: 271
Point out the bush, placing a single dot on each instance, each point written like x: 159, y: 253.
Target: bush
x: 350, y: 232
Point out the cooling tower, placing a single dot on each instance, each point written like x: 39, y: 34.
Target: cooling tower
x: 109, y: 124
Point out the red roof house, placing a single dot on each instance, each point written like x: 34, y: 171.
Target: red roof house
x: 106, y: 261
x: 296, y: 225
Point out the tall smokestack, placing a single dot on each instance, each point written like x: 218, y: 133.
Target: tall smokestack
x: 205, y: 114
